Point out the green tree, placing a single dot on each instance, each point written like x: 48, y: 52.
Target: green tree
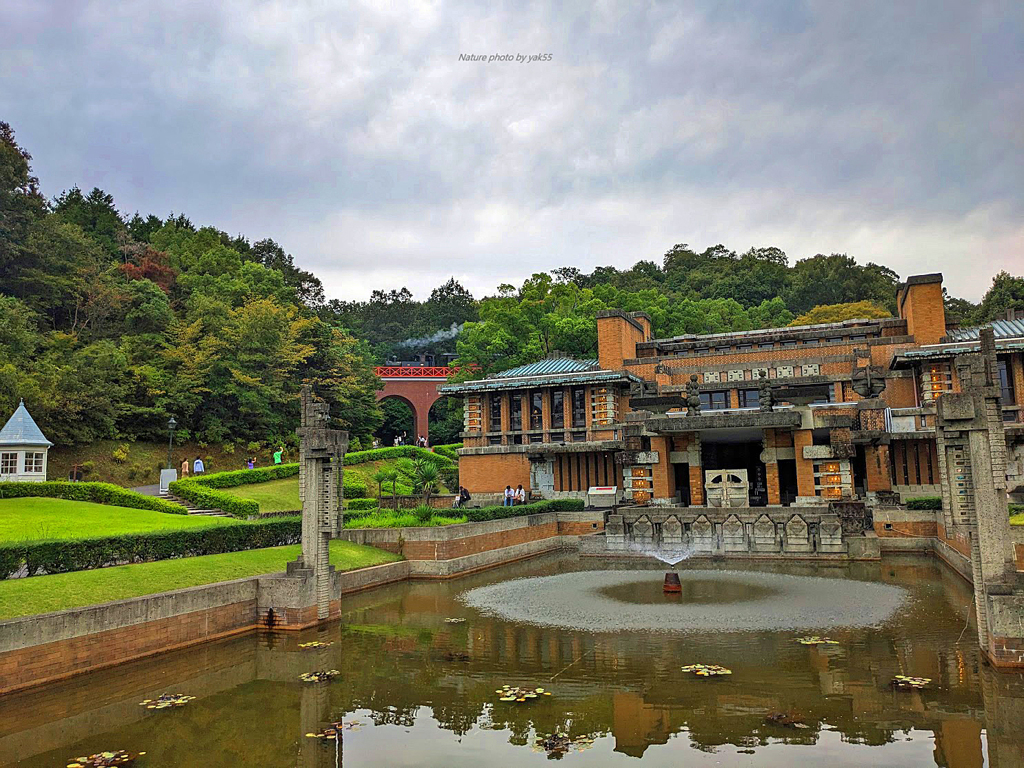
x: 1006, y: 292
x: 836, y: 313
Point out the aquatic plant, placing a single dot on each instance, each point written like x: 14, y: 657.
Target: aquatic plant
x: 786, y: 719
x: 815, y: 640
x: 520, y: 694
x: 334, y: 730
x: 167, y: 701
x: 559, y: 744
x: 910, y: 683
x: 707, y: 670
x: 104, y: 759
x: 321, y: 676
x: 454, y: 620
x: 316, y: 644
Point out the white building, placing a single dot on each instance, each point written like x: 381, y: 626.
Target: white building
x: 23, y: 448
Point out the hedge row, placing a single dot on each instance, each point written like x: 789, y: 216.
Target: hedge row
x: 358, y: 504
x: 450, y: 451
x: 64, y: 556
x: 98, y: 493
x: 205, y: 497
x: 538, y: 507
x: 396, y: 452
x: 925, y: 502
x: 238, y: 477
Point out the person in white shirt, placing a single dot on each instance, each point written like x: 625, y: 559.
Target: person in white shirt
x: 520, y: 495
x: 509, y: 496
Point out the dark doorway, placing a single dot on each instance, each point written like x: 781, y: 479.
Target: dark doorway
x: 683, y: 482
x: 787, y: 481
x: 860, y: 473
x: 739, y: 455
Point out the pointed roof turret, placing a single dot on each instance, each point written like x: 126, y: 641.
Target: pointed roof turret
x: 21, y: 429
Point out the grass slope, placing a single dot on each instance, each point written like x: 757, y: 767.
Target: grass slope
x: 43, y: 594
x: 38, y: 519
x: 272, y: 496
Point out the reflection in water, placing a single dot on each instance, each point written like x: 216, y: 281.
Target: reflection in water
x: 692, y: 592
x: 425, y: 690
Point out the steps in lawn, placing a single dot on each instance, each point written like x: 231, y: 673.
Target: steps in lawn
x: 192, y: 508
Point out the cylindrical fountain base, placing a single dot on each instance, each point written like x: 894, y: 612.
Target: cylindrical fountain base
x: 672, y: 584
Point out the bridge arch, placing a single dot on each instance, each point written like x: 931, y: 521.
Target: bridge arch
x: 417, y: 387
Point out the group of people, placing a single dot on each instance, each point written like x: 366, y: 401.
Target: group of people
x: 421, y: 441
x: 513, y: 497
x: 198, y: 467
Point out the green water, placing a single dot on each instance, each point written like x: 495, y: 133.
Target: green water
x: 423, y: 690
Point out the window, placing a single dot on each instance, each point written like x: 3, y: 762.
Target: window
x: 766, y: 345
x: 749, y: 398
x: 8, y: 463
x: 836, y: 340
x: 744, y: 347
x: 789, y: 344
x: 1006, y: 393
x: 34, y: 463
x: 495, y: 413
x: 579, y: 407
x: 936, y: 379
x: 516, y: 417
x: 714, y: 401
x: 537, y: 410
x: 557, y: 409
x: 702, y: 351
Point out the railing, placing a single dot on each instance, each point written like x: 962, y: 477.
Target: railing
x: 414, y: 372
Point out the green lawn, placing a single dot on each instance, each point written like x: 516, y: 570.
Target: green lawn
x: 34, y: 519
x: 1017, y: 519
x: 272, y: 496
x: 43, y: 594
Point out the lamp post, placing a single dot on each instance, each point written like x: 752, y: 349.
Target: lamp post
x: 171, y: 424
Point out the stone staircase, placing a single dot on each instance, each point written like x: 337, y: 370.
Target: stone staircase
x: 192, y: 508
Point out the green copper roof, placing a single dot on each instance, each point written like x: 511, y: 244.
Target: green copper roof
x: 547, y: 366
x: 1002, y: 329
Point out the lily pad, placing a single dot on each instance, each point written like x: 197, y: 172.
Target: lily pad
x: 167, y: 701
x: 320, y: 676
x: 815, y: 640
x: 519, y: 693
x: 315, y: 644
x: 906, y: 682
x: 333, y: 731
x: 105, y: 759
x: 707, y: 670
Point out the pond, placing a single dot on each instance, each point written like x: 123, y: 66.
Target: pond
x: 421, y: 668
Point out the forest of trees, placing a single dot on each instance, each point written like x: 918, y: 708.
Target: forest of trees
x: 110, y: 323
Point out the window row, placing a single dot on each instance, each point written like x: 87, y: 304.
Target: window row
x: 534, y: 404
x: 9, y: 463
x: 718, y: 400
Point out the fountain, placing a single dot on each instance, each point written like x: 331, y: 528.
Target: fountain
x: 670, y: 557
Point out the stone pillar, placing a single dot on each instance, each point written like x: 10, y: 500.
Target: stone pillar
x: 664, y: 479
x: 321, y: 453
x: 876, y: 465
x: 972, y: 464
x: 769, y: 457
x: 804, y: 467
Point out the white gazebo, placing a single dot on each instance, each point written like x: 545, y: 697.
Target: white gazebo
x: 23, y: 448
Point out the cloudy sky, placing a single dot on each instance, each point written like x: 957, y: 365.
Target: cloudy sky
x: 354, y: 136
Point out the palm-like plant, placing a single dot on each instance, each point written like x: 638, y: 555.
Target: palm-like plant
x: 392, y: 477
x: 380, y: 477
x: 427, y: 478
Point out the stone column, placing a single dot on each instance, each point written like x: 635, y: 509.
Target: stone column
x: 664, y: 478
x: 769, y: 457
x: 876, y: 465
x: 804, y: 467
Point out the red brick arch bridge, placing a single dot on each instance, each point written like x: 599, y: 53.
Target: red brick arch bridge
x: 417, y: 387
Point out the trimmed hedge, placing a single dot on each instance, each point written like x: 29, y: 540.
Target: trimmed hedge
x: 205, y: 497
x: 98, y: 493
x: 925, y: 502
x: 396, y: 452
x: 450, y: 451
x: 356, y: 504
x: 538, y: 507
x: 237, y: 477
x: 64, y: 556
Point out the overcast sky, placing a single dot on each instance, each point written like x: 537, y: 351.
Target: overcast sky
x: 354, y: 136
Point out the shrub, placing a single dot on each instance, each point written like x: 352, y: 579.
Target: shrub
x: 64, y: 556
x: 1016, y: 509
x: 360, y: 504
x: 207, y: 497
x: 450, y: 451
x: 87, y: 467
x: 98, y: 493
x: 253, y: 446
x: 449, y: 477
x: 394, y: 452
x: 423, y: 514
x: 133, y: 470
x: 925, y: 502
x: 120, y: 454
x: 228, y: 448
x: 538, y: 507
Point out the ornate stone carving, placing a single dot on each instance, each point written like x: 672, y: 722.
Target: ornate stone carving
x: 797, y: 535
x: 672, y: 531
x: 643, y: 530
x: 830, y: 534
x: 692, y: 396
x: 764, y: 393
x: 733, y: 535
x: 764, y: 535
x: 702, y: 533
x: 726, y: 487
x: 868, y: 380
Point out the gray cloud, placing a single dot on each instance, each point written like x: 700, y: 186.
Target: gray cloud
x: 355, y: 137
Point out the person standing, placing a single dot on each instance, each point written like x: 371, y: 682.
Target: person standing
x: 251, y: 463
x: 509, y: 496
x: 184, y: 467
x: 520, y: 495
x: 278, y: 454
x: 198, y: 467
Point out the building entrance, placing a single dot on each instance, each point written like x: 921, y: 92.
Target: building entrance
x: 739, y: 455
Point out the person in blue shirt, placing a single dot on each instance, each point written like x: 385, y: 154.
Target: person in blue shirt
x: 197, y: 466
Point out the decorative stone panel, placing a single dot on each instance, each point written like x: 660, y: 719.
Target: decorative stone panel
x: 764, y: 535
x: 672, y: 531
x: 758, y: 373
x: 702, y: 535
x: 784, y: 372
x: 735, y: 375
x: 817, y: 452
x: 712, y: 377
x: 798, y: 537
x: 830, y: 535
x: 809, y: 369
x: 733, y: 535
x: 643, y: 531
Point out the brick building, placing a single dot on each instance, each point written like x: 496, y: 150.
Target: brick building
x: 797, y: 416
